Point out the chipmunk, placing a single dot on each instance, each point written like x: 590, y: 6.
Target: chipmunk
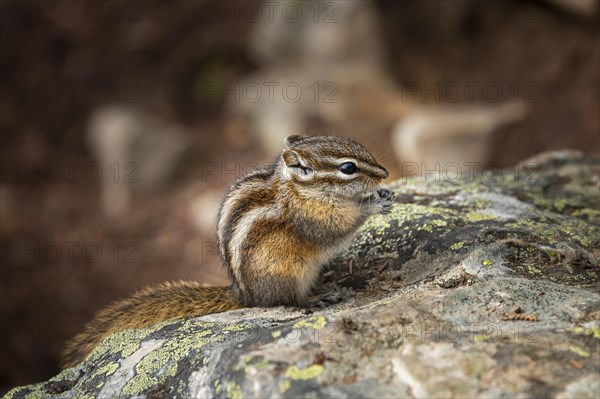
x: 277, y: 227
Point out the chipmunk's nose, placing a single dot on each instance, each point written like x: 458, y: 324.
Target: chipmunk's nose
x: 383, y: 173
x: 376, y: 172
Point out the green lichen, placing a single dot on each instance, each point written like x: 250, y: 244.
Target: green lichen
x: 308, y: 373
x: 256, y: 362
x: 139, y: 383
x: 425, y: 227
x: 35, y: 395
x: 478, y: 217
x: 315, y: 323
x: 592, y: 331
x: 237, y: 327
x: 38, y: 390
x: 457, y: 246
x: 374, y: 237
x: 259, y: 363
x: 481, y: 204
x: 171, y: 370
x: 535, y: 228
x: 480, y: 338
x: 555, y: 229
x: 31, y: 392
x: 126, y: 342
x: 585, y: 234
x: 409, y: 213
x: 106, y: 370
x: 432, y: 225
x: 533, y: 270
x: 295, y: 373
x: 551, y: 253
x: 487, y: 262
x: 591, y: 215
x: 169, y: 353
x: 579, y: 351
x: 555, y: 262
x: 233, y: 391
x: 284, y: 386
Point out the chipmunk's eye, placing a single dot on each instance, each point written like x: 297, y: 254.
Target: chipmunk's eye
x: 348, y: 168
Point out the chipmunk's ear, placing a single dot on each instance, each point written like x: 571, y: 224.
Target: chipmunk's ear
x: 291, y: 158
x: 291, y: 140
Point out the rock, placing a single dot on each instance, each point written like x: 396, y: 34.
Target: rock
x: 583, y: 8
x: 134, y: 150
x: 441, y: 302
x: 427, y: 136
x: 204, y: 211
x: 320, y: 65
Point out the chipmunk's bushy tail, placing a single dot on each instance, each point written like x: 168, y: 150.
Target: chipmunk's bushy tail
x: 152, y: 305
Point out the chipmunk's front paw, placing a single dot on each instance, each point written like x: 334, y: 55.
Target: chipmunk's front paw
x: 325, y: 300
x: 386, y: 200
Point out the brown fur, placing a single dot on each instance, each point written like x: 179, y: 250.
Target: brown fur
x: 279, y: 226
x: 276, y: 230
x: 152, y: 305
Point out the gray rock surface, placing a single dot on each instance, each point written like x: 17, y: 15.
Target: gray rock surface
x: 484, y: 287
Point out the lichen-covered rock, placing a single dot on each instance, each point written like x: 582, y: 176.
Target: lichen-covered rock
x: 483, y: 287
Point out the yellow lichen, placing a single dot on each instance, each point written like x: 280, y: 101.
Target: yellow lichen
x: 593, y: 331
x: 236, y: 327
x: 284, y: 386
x: 107, y: 370
x: 480, y: 338
x: 233, y: 391
x: 316, y: 323
x: 477, y: 217
x: 256, y: 362
x: 147, y: 369
x: 457, y: 246
x: 308, y: 373
x: 580, y: 351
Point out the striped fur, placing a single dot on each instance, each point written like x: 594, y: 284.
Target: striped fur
x: 279, y: 226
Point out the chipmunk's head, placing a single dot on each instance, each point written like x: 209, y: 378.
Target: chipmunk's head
x: 330, y: 164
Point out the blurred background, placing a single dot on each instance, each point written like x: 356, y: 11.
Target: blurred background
x: 123, y: 122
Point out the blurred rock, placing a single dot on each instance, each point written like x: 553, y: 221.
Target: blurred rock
x: 586, y: 387
x: 318, y: 68
x: 134, y: 150
x: 328, y: 33
x: 455, y: 134
x: 583, y: 8
x: 204, y: 210
x: 337, y: 63
x: 424, y: 313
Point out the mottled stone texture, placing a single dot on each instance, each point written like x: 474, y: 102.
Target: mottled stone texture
x: 472, y: 287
